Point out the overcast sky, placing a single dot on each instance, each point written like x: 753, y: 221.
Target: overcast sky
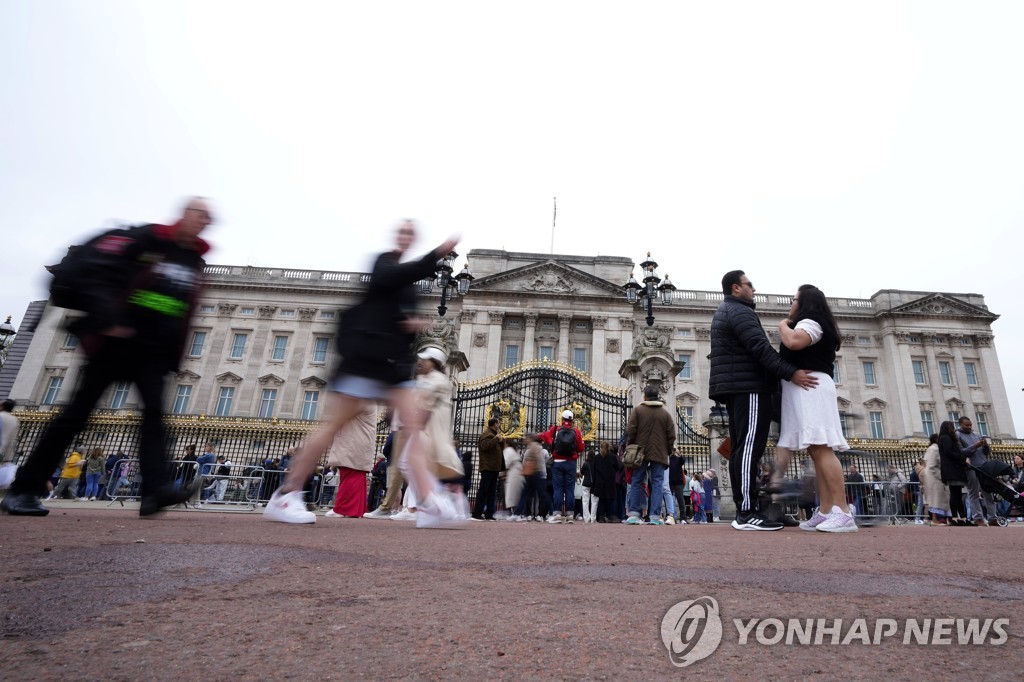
x: 858, y: 146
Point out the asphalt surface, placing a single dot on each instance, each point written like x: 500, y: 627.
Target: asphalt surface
x: 91, y: 592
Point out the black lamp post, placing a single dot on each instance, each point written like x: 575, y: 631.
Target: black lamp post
x: 650, y: 289
x: 7, y: 334
x: 450, y: 285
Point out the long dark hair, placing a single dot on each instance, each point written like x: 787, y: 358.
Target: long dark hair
x: 948, y: 428
x: 813, y: 305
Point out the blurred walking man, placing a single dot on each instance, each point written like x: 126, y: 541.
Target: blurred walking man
x: 137, y: 288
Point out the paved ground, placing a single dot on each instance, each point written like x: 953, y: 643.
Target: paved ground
x: 90, y: 593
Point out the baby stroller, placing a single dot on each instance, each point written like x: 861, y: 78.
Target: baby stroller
x: 990, y: 479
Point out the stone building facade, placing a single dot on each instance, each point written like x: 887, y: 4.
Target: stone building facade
x: 262, y: 343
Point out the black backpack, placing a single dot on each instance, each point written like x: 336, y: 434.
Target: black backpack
x: 565, y: 442
x: 74, y: 275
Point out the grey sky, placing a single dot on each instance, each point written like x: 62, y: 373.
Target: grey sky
x: 857, y: 146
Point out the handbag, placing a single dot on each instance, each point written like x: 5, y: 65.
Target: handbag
x: 633, y: 457
x: 725, y: 448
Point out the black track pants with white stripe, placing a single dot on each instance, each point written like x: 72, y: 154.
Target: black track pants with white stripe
x: 750, y: 418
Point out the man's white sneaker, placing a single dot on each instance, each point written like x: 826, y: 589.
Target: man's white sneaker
x: 439, y: 511
x: 288, y: 508
x: 813, y: 522
x: 330, y: 513
x: 555, y: 518
x: 377, y: 514
x: 838, y: 522
x: 404, y: 515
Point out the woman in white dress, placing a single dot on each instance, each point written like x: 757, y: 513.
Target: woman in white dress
x: 810, y: 418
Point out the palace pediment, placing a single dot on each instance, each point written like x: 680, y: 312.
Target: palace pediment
x: 943, y: 305
x: 548, y: 278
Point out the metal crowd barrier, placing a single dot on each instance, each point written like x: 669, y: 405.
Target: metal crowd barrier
x: 885, y: 502
x: 219, y: 492
x: 124, y: 482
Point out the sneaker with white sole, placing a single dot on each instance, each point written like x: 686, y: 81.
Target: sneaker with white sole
x: 838, y: 522
x: 288, y: 508
x: 813, y: 522
x: 555, y: 518
x: 378, y: 514
x: 754, y: 521
x: 332, y: 514
x: 404, y: 515
x: 670, y: 520
x: 439, y: 511
x: 634, y: 521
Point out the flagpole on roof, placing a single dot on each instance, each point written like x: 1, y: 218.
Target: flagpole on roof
x: 554, y: 217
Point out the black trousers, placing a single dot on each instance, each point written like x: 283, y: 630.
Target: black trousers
x: 485, y: 502
x: 117, y: 360
x: 957, y: 508
x: 750, y: 418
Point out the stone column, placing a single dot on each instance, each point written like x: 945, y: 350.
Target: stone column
x: 597, y: 350
x: 466, y: 318
x: 563, y: 338
x: 1000, y: 419
x: 529, y: 344
x: 895, y: 345
x: 494, y: 349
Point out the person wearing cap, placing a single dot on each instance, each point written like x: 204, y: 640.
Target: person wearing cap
x: 434, y: 403
x: 651, y: 427
x: 374, y: 340
x: 138, y: 288
x: 566, y: 445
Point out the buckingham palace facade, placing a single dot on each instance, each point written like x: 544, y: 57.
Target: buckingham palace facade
x: 262, y: 344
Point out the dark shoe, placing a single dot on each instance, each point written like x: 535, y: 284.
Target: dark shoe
x: 788, y: 521
x: 980, y: 522
x: 23, y: 504
x: 168, y: 496
x: 478, y: 517
x: 993, y: 522
x: 754, y: 521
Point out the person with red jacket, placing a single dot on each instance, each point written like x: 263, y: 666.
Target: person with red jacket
x: 137, y: 288
x: 565, y: 442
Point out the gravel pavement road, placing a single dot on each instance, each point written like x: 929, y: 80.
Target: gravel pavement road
x: 95, y: 593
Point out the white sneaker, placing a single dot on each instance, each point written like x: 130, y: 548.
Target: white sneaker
x: 670, y: 521
x: 567, y: 519
x: 439, y: 511
x: 331, y: 513
x: 838, y: 522
x: 918, y: 522
x: 513, y: 518
x: 555, y: 518
x: 288, y: 508
x: 813, y: 522
x: 377, y: 514
x: 404, y: 515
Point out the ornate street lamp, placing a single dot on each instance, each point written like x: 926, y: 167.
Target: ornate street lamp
x: 651, y: 289
x: 450, y: 285
x: 7, y: 334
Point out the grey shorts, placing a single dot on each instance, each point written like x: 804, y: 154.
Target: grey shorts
x: 365, y: 387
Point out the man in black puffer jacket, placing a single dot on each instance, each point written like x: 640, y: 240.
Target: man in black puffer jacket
x: 745, y: 371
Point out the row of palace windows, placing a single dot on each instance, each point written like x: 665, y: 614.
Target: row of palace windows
x: 239, y: 342
x: 278, y: 347
x: 929, y: 427
x: 579, y: 359
x: 183, y: 398
x: 947, y: 377
x: 226, y: 401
